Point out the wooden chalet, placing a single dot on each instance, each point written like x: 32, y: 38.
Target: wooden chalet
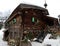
x: 27, y: 18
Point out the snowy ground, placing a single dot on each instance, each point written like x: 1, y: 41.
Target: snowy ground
x: 52, y: 42
x: 47, y: 41
x: 2, y: 43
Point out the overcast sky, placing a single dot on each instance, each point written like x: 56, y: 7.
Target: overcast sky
x: 7, y: 6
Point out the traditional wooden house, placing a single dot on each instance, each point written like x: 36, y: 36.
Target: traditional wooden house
x: 27, y: 18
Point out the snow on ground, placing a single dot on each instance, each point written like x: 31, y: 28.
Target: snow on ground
x: 36, y: 44
x: 2, y: 43
x: 52, y: 42
x: 47, y: 41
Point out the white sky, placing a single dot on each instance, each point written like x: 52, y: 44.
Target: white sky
x: 9, y: 5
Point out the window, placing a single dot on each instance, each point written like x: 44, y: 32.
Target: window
x: 33, y: 19
x: 14, y: 20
